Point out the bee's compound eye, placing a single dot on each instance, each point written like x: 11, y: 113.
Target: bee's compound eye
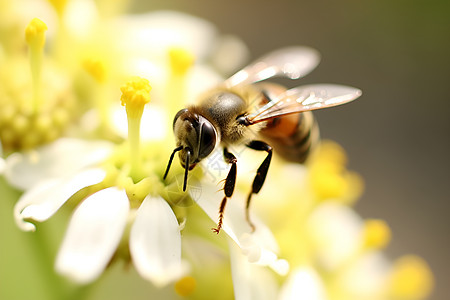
x: 179, y: 113
x: 207, y: 140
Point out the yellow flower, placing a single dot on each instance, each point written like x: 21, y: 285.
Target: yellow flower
x: 135, y: 93
x: 330, y: 179
x: 411, y: 278
x: 34, y: 33
x: 377, y: 234
x: 37, y: 106
x: 181, y: 60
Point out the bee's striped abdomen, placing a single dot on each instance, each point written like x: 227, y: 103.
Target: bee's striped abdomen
x: 293, y: 136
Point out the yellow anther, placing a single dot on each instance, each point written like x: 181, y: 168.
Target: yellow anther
x: 95, y: 68
x: 59, y: 5
x: 185, y: 286
x: 332, y: 152
x: 35, y: 33
x: 329, y: 176
x: 377, y: 234
x: 328, y: 185
x: 411, y: 278
x: 35, y: 37
x: 43, y: 123
x: 180, y: 60
x: 135, y: 94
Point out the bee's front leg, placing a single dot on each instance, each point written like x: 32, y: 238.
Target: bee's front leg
x: 260, y: 174
x: 228, y: 188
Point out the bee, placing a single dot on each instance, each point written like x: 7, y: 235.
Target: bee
x: 243, y: 105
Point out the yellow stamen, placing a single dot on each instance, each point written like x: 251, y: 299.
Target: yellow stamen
x: 377, y: 234
x: 135, y: 94
x: 185, y: 286
x: 330, y: 178
x: 180, y: 60
x: 411, y: 278
x: 35, y: 33
x: 59, y: 5
x: 35, y: 38
x: 328, y: 185
x: 95, y: 68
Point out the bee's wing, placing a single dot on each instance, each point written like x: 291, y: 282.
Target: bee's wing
x: 291, y: 62
x: 305, y: 98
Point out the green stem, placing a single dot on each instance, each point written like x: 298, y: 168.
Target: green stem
x: 45, y: 262
x: 80, y: 292
x: 102, y: 105
x: 36, y: 57
x: 134, y: 127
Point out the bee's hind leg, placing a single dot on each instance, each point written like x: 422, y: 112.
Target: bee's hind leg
x: 260, y: 174
x: 228, y: 188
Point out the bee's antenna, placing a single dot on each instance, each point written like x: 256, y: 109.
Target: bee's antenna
x: 170, y: 160
x: 186, y: 169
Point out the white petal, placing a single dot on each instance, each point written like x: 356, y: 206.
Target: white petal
x: 249, y: 280
x: 93, y: 234
x: 201, y: 78
x: 366, y: 276
x: 230, y: 54
x: 44, y: 199
x: 152, y: 34
x: 2, y: 161
x: 2, y: 165
x: 61, y: 158
x: 304, y: 283
x: 81, y: 9
x: 260, y: 246
x: 155, y: 242
x: 153, y: 122
x: 335, y: 231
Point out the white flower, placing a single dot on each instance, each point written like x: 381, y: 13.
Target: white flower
x: 259, y: 247
x: 2, y: 160
x: 250, y: 281
x: 96, y: 229
x: 145, y: 41
x: 335, y: 231
x: 61, y: 158
x: 2, y: 165
x: 45, y: 198
x: 155, y: 242
x: 100, y: 219
x: 97, y: 224
x: 55, y: 173
x: 303, y: 283
x: 148, y: 38
x: 51, y: 174
x: 94, y: 232
x: 366, y: 277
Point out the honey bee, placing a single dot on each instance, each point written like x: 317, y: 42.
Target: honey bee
x: 242, y: 106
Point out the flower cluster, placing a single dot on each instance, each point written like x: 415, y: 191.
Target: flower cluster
x: 68, y: 144
x: 336, y: 254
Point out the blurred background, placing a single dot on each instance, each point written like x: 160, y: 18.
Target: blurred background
x: 397, y: 134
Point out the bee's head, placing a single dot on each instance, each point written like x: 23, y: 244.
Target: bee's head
x: 195, y: 137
